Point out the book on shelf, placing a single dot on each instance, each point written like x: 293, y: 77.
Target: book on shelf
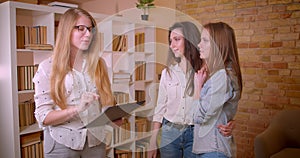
x: 26, y: 113
x: 122, y: 132
x: 25, y: 75
x: 113, y: 113
x: 27, y: 35
x: 31, y: 138
x: 141, y: 148
x: 121, y: 97
x: 141, y: 126
x: 139, y: 42
x: 32, y: 145
x: 122, y: 153
x: 140, y: 70
x: 39, y: 46
x: 140, y: 95
x: 119, y: 43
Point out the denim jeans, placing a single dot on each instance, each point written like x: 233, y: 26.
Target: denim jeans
x: 176, y: 143
x: 212, y: 155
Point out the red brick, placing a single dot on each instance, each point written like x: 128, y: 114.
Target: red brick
x: 276, y: 44
x: 273, y: 72
x: 285, y: 15
x: 280, y: 65
x: 243, y: 45
x: 254, y: 45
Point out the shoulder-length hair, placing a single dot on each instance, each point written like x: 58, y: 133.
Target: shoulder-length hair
x: 191, y: 52
x: 223, y: 53
x: 96, y: 67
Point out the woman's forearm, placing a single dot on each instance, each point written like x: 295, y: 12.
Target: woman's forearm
x: 60, y: 116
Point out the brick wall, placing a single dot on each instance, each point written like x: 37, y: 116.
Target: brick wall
x: 269, y: 49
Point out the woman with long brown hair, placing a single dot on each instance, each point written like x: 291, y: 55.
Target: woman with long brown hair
x: 218, y: 90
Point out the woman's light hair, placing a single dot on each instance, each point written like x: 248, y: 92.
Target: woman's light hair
x: 61, y: 59
x: 223, y: 53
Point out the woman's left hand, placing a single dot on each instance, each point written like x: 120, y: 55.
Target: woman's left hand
x: 226, y: 130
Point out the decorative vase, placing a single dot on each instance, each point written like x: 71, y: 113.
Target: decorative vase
x: 144, y: 17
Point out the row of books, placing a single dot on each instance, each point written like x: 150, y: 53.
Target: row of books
x: 33, y: 151
x: 28, y: 35
x: 140, y: 70
x: 141, y: 151
x: 25, y: 75
x: 139, y: 42
x: 142, y: 126
x: 140, y: 95
x: 122, y: 154
x: 122, y: 133
x: 32, y: 145
x: 120, y: 43
x: 26, y: 113
x: 121, y: 97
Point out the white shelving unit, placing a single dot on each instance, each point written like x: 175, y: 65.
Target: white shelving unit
x: 13, y: 14
x: 124, y: 61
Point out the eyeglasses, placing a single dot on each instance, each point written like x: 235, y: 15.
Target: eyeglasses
x: 83, y: 28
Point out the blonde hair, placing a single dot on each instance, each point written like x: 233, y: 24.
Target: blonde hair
x: 223, y: 53
x: 95, y: 65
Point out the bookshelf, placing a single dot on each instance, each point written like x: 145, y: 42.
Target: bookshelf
x: 16, y: 57
x: 27, y: 38
x: 129, y: 51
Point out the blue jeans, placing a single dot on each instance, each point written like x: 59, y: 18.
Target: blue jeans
x: 175, y: 142
x: 212, y: 155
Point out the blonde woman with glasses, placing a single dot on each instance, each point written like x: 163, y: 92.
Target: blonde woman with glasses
x: 70, y: 87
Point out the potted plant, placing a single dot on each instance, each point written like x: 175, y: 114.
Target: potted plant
x: 145, y: 5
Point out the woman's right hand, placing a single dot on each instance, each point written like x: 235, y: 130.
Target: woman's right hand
x: 200, y: 77
x: 152, y: 153
x: 86, y: 99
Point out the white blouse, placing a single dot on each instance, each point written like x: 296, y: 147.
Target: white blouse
x: 172, y: 103
x: 70, y: 133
